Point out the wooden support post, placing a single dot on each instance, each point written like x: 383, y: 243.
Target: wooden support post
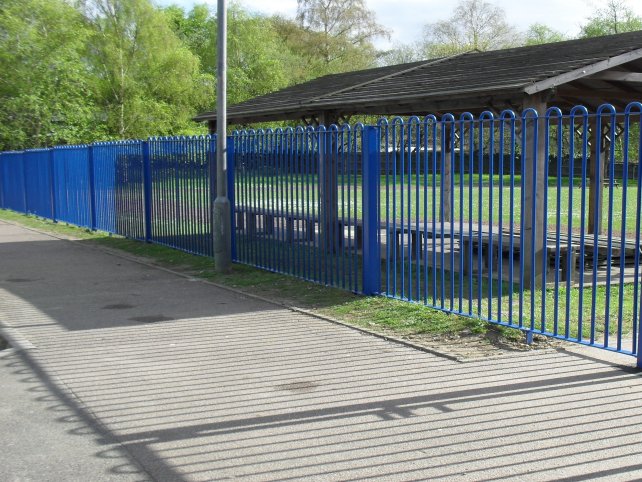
x: 597, y: 163
x: 533, y: 152
x: 329, y: 185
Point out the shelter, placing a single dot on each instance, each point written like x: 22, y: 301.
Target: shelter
x: 589, y: 72
x: 586, y: 71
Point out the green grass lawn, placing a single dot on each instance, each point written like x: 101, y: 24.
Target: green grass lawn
x: 558, y: 310
x: 411, y: 197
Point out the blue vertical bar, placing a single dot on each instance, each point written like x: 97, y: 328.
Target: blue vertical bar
x: 25, y: 185
x: 52, y: 185
x: 147, y: 192
x: 230, y: 191
x: 639, y: 352
x: 370, y: 196
x: 92, y: 187
x: 2, y: 181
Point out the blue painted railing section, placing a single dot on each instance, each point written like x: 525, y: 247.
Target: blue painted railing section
x: 297, y: 202
x: 180, y: 192
x: 437, y: 211
x: 37, y: 176
x: 464, y: 235
x: 118, y: 176
x: 12, y: 181
x: 71, y: 187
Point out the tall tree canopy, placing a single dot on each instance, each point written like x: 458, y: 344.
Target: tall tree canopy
x: 538, y: 33
x: 148, y: 82
x: 258, y: 59
x: 337, y: 35
x: 474, y: 25
x: 80, y: 70
x: 46, y: 88
x: 615, y: 17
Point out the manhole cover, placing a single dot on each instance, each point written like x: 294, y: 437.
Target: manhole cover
x: 151, y: 318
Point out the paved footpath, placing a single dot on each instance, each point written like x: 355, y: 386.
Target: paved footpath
x: 122, y: 371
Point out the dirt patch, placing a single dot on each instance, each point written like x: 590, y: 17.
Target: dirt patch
x: 468, y: 345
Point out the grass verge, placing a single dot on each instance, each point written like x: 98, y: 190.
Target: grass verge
x: 378, y: 314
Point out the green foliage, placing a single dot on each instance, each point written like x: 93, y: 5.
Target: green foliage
x: 75, y: 71
x: 615, y: 18
x: 147, y: 81
x: 474, y: 26
x: 46, y: 92
x: 258, y: 60
x: 402, y: 54
x: 539, y: 33
x: 333, y: 35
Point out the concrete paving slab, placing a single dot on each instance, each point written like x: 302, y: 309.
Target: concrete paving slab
x: 47, y: 436
x: 198, y: 383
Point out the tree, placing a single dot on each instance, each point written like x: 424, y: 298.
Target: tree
x: 337, y: 35
x: 539, y: 33
x: 195, y: 29
x: 474, y: 26
x: 46, y: 94
x: 147, y: 81
x: 258, y: 61
x: 401, y: 54
x: 616, y: 17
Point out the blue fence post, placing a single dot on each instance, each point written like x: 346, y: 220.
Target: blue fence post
x: 230, y: 192
x: 92, y: 187
x: 52, y: 185
x: 23, y: 159
x: 639, y: 351
x: 2, y: 201
x: 370, y: 202
x: 147, y: 192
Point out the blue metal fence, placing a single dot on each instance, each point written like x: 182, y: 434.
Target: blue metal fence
x: 71, y: 185
x: 179, y: 190
x: 298, y: 202
x: 13, y: 192
x: 521, y: 220
x: 38, y: 182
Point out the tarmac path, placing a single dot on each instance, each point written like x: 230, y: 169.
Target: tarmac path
x: 123, y: 371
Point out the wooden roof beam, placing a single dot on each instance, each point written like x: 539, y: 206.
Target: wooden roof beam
x: 582, y: 72
x: 613, y: 75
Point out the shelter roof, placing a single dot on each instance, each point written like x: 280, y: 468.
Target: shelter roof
x: 585, y: 71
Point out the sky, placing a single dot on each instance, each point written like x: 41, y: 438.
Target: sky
x: 406, y: 18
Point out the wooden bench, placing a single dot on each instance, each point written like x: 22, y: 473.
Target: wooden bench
x: 262, y: 221
x: 418, y: 234
x: 565, y: 252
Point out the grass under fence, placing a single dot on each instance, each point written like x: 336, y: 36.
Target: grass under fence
x: 591, y: 312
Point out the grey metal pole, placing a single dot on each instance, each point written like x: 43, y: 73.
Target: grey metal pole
x: 222, y: 225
